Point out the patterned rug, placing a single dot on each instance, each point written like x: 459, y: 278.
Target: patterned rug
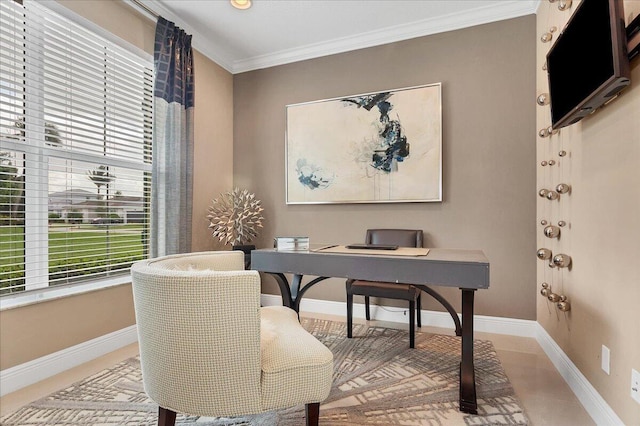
x: 378, y: 380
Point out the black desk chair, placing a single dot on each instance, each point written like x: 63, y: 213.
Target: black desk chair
x: 402, y: 238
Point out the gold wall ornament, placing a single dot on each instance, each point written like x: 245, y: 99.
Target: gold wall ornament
x: 552, y: 131
x: 563, y: 188
x: 552, y: 162
x: 544, y: 254
x: 562, y: 260
x: 235, y: 217
x: 564, y: 5
x: 542, y: 99
x: 543, y: 133
x: 564, y: 304
x: 543, y: 192
x: 546, y: 37
x: 562, y: 153
x: 551, y: 231
x: 552, y: 195
x: 562, y: 223
x: 543, y: 163
x: 553, y: 297
x: 544, y: 291
x: 543, y: 222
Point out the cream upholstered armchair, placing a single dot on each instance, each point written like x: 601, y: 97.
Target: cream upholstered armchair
x: 207, y: 348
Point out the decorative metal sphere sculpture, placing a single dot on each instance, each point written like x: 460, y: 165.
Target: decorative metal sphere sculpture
x: 542, y: 99
x: 564, y: 5
x: 563, y: 304
x: 552, y: 195
x: 551, y: 231
x: 562, y: 260
x: 563, y: 188
x: 545, y: 290
x: 235, y: 217
x: 544, y: 254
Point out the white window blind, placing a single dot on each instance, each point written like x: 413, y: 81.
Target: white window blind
x: 75, y: 151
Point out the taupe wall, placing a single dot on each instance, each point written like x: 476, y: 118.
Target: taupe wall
x: 488, y: 83
x: 39, y: 329
x: 602, y: 235
x: 213, y: 151
x: 27, y: 333
x: 488, y: 76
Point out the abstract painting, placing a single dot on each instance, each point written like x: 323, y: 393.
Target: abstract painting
x: 383, y: 147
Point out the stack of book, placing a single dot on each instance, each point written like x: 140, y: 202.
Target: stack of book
x: 291, y: 243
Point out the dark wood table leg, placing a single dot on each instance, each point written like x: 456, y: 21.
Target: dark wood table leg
x: 468, y: 402
x: 285, y: 290
x: 292, y: 294
x: 454, y: 315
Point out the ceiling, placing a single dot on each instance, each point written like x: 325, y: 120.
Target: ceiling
x: 275, y: 32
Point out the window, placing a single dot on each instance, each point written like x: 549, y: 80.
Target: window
x: 75, y: 151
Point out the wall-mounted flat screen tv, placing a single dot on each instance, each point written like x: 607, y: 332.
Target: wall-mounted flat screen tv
x: 588, y: 65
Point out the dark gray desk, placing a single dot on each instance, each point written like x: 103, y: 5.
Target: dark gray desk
x: 467, y: 270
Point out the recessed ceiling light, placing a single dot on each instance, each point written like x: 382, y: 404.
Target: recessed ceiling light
x: 241, y: 4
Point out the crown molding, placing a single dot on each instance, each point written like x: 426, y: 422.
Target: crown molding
x: 484, y: 15
x: 492, y: 13
x: 153, y: 10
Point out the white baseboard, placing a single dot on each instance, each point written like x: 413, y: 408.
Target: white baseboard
x: 20, y: 376
x: 14, y: 378
x: 498, y: 325
x: 593, y: 403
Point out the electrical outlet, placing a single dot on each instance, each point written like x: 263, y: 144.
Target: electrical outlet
x: 605, y: 359
x: 635, y: 385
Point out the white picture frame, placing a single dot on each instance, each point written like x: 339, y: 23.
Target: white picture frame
x: 379, y: 147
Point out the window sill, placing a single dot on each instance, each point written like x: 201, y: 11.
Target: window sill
x: 51, y: 293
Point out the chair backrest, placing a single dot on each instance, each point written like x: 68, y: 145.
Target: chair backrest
x: 198, y: 318
x: 399, y: 237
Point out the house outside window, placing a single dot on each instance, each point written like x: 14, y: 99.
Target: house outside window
x: 75, y: 150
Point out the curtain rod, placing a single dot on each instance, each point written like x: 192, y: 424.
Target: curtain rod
x: 136, y: 4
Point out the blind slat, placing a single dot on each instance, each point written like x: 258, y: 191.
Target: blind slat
x: 75, y: 149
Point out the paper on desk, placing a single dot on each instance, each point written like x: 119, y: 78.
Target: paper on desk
x: 400, y: 251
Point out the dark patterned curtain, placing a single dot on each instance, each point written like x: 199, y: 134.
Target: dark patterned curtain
x: 172, y: 181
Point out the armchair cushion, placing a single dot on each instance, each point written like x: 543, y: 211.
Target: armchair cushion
x: 292, y: 359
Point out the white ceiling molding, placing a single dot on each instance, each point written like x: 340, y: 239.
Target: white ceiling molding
x: 198, y: 42
x: 491, y: 13
x: 506, y: 10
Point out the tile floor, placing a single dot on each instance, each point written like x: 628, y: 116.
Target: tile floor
x: 545, y: 396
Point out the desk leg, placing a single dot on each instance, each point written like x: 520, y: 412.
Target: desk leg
x: 468, y: 402
x: 285, y: 290
x: 292, y: 294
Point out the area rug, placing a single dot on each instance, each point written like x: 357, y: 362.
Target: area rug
x: 377, y: 380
